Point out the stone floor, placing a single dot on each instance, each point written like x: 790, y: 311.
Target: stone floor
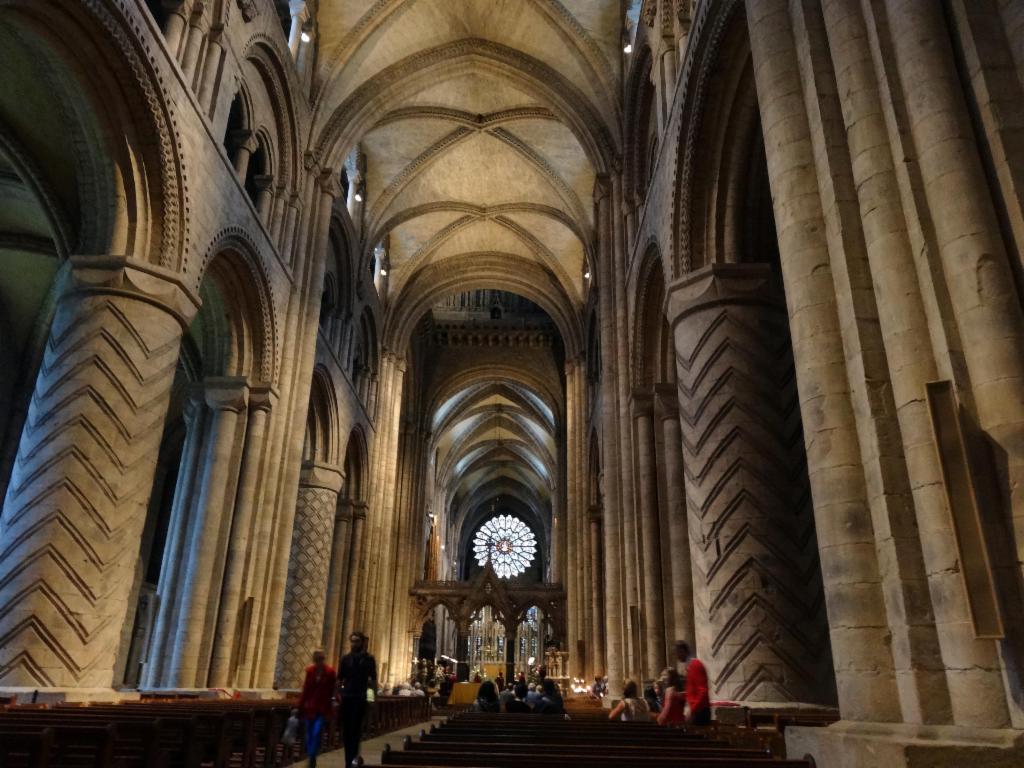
x: 373, y: 748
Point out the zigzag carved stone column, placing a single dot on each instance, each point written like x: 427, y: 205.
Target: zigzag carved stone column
x: 757, y: 584
x: 308, y: 564
x: 76, y: 504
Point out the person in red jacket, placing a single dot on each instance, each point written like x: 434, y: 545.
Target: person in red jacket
x: 316, y: 702
x: 697, y: 701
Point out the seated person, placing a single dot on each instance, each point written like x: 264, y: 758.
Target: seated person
x: 518, y: 702
x: 631, y: 707
x: 551, y: 700
x: 486, y: 698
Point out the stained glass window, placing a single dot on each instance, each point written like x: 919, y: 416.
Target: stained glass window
x: 509, y: 542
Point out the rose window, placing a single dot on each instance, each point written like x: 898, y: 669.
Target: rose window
x: 509, y: 543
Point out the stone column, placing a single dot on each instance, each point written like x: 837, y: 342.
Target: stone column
x: 308, y: 565
x: 193, y: 44
x: 461, y: 655
x: 356, y: 564
x: 675, y: 503
x: 629, y: 530
x: 226, y: 648
x: 174, y: 27
x: 76, y: 503
x: 264, y: 201
x: 510, y: 651
x: 337, y: 580
x: 761, y: 626
x: 321, y: 190
x: 211, y: 69
x: 208, y: 527
x: 861, y: 643
x: 175, y: 549
x: 612, y: 552
x: 245, y: 143
x: 597, y: 594
x: 647, y: 486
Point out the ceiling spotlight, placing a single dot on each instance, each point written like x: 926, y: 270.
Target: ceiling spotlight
x: 384, y: 273
x: 628, y: 48
x: 586, y: 275
x: 359, y: 197
x: 442, y: 547
x: 305, y: 37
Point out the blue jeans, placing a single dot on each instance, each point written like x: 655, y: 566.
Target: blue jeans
x: 314, y: 732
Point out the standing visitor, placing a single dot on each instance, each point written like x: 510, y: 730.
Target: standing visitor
x: 357, y: 674
x: 631, y: 707
x: 499, y: 682
x: 673, y: 709
x: 696, y: 687
x: 315, y: 702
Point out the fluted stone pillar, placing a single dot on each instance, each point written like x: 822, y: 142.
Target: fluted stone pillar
x: 357, y: 564
x: 861, y: 642
x: 308, y: 566
x: 161, y: 642
x: 227, y: 649
x: 76, y: 503
x: 612, y: 522
x: 759, y: 608
x: 597, y: 592
x: 681, y: 577
x: 209, y: 525
x: 650, y: 559
x: 462, y: 655
x: 337, y: 580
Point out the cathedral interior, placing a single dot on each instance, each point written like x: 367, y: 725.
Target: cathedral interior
x: 510, y: 330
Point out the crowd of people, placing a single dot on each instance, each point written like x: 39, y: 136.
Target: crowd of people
x: 542, y: 698
x: 345, y: 694
x: 680, y: 695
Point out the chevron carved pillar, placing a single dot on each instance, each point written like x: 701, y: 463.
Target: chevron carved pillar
x: 308, y: 565
x: 759, y: 610
x: 76, y: 504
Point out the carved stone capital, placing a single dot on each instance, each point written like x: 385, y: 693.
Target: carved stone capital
x: 721, y: 284
x: 226, y: 393
x: 602, y: 188
x: 641, y: 402
x: 243, y: 138
x: 262, y: 397
x: 666, y: 401
x: 117, y: 275
x: 318, y: 475
x: 329, y: 183
x: 359, y: 510
x: 263, y: 181
x: 344, y: 510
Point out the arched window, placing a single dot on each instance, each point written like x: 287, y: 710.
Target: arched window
x: 508, y: 543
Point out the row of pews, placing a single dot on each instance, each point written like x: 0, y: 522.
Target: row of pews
x: 189, y: 733
x: 545, y: 741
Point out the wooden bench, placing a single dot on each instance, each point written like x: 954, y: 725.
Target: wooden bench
x: 510, y: 741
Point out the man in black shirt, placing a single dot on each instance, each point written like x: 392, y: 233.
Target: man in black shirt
x: 357, y: 673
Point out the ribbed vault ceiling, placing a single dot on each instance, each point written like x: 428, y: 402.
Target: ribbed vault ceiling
x: 483, y: 123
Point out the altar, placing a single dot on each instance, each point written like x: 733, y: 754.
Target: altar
x: 463, y: 693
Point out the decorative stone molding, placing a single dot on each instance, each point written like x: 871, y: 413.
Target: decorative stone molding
x: 759, y: 601
x: 80, y: 486
x: 317, y: 475
x: 305, y: 592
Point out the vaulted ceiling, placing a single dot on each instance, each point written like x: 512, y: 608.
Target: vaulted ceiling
x: 483, y: 123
